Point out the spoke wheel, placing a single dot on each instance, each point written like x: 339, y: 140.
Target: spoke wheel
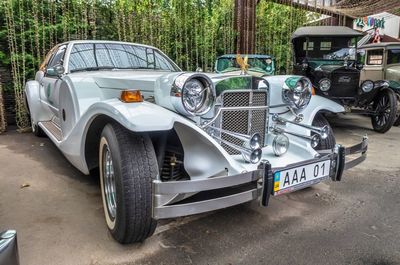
x: 385, y: 107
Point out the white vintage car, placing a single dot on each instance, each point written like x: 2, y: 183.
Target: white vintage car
x: 169, y: 143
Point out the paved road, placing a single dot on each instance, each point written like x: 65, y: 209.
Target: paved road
x: 59, y: 216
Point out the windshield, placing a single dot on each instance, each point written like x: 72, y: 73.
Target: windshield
x: 97, y: 56
x: 264, y: 65
x: 328, y: 48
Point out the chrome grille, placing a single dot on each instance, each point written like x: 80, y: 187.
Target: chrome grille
x: 243, y: 121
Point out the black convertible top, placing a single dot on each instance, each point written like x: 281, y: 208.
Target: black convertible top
x: 325, y: 31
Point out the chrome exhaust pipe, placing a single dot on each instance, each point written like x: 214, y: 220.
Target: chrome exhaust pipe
x: 314, y: 140
x: 249, y: 155
x: 253, y: 141
x: 322, y: 131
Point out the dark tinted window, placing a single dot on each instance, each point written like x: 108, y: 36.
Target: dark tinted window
x: 375, y: 57
x: 393, y: 56
x: 117, y: 56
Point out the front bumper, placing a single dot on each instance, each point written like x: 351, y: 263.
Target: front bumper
x: 225, y: 191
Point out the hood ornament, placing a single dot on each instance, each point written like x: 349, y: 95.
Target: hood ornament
x: 242, y: 62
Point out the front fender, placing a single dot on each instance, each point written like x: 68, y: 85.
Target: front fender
x: 32, y: 94
x: 148, y: 117
x: 320, y: 104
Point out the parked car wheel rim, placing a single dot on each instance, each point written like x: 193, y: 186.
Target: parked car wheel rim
x: 382, y: 110
x: 109, y: 182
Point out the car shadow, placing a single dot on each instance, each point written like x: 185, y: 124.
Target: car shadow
x: 43, y: 151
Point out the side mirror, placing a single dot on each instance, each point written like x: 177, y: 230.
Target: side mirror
x: 56, y: 70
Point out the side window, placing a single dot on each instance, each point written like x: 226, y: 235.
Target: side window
x: 162, y: 62
x: 325, y: 45
x: 393, y: 56
x: 310, y: 46
x: 47, y: 59
x: 58, y: 56
x: 375, y: 57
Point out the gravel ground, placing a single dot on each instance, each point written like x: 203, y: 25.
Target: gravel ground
x: 59, y: 216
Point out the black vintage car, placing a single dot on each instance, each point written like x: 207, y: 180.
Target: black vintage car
x: 328, y: 56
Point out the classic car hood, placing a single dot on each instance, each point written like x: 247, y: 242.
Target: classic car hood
x: 325, y: 65
x: 126, y: 79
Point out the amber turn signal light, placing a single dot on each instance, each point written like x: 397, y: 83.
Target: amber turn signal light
x: 130, y: 96
x: 313, y: 91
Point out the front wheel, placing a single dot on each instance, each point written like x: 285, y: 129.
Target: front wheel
x: 329, y: 142
x: 385, y: 106
x: 128, y: 165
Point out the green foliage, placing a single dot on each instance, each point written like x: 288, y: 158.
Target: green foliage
x: 192, y: 32
x: 275, y: 25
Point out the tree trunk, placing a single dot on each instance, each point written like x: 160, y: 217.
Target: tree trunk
x: 245, y: 26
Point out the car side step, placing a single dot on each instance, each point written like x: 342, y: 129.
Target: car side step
x: 52, y: 128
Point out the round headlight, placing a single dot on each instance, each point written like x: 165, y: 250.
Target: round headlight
x: 324, y: 84
x: 268, y: 61
x: 280, y: 144
x: 297, y: 93
x: 192, y: 94
x: 367, y: 86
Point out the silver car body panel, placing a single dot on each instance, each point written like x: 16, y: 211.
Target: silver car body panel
x: 85, y: 96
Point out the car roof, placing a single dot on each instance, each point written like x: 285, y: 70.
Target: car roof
x: 261, y: 56
x: 381, y: 44
x: 106, y: 41
x: 325, y: 31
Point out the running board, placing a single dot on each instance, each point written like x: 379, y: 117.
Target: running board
x: 52, y: 129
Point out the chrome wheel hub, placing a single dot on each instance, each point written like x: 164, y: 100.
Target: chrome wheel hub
x: 109, y: 183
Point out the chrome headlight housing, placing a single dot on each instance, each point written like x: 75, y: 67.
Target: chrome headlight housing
x: 367, y: 86
x: 193, y: 94
x: 297, y: 92
x: 324, y: 84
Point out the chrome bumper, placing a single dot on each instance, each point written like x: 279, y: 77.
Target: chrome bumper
x: 226, y: 191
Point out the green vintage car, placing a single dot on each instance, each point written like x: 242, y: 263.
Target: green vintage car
x: 258, y: 65
x: 382, y: 63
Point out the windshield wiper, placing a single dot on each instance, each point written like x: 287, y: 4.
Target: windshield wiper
x: 93, y: 68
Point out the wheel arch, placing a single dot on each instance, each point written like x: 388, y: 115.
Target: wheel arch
x: 93, y: 136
